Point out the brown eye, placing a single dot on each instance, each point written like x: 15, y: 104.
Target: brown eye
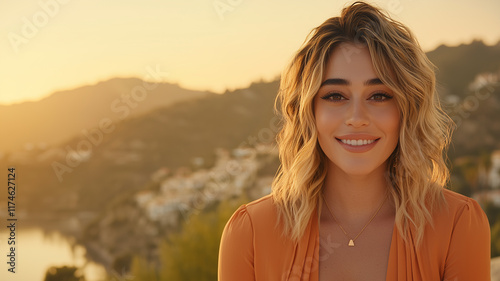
x: 380, y: 97
x: 335, y: 97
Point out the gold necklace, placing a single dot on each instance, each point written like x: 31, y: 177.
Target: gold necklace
x: 351, y: 241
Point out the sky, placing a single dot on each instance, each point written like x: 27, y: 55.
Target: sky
x: 215, y: 45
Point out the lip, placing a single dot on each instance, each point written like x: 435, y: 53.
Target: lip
x: 358, y: 148
x: 357, y: 137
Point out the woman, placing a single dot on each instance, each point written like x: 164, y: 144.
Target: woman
x: 360, y: 192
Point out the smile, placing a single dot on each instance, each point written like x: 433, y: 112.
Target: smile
x: 358, y: 145
x: 357, y: 142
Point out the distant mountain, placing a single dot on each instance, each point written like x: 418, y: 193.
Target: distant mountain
x: 124, y: 160
x: 66, y: 113
x: 457, y: 66
x: 476, y: 111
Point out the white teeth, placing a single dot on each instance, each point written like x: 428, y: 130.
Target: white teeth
x: 357, y: 142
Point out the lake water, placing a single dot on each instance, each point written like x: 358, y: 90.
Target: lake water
x: 37, y: 251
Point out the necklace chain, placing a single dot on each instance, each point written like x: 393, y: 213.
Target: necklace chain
x: 351, y: 241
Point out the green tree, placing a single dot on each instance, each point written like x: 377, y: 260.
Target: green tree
x: 459, y: 185
x: 492, y: 212
x: 64, y: 273
x: 192, y: 254
x: 122, y: 264
x: 470, y: 173
x: 142, y: 270
x: 495, y: 240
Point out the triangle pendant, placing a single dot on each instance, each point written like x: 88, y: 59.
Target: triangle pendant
x: 351, y: 243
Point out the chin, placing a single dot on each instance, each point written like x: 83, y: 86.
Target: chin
x: 359, y: 169
x: 359, y: 172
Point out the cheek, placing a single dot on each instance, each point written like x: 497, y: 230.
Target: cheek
x: 390, y: 121
x: 326, y: 119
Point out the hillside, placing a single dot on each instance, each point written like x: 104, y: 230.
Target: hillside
x: 125, y: 158
x: 66, y: 113
x: 457, y: 66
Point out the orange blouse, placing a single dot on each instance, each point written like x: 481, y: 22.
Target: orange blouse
x: 456, y: 249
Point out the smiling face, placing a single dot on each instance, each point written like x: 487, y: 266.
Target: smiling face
x: 356, y: 115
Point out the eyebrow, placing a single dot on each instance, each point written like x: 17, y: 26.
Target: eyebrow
x: 344, y: 82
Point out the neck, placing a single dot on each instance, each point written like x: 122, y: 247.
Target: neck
x: 354, y: 197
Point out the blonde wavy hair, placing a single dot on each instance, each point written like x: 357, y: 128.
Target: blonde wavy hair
x: 416, y: 169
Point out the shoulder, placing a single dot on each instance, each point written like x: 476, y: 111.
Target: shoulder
x: 457, y: 240
x: 262, y: 209
x: 239, y: 234
x: 459, y: 218
x: 253, y: 230
x: 464, y: 232
x: 256, y: 223
x: 253, y: 244
x: 459, y: 206
x: 239, y: 254
x: 258, y: 214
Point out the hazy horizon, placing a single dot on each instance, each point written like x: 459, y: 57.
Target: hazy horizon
x: 55, y: 45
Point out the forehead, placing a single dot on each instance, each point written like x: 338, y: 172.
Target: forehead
x: 350, y: 61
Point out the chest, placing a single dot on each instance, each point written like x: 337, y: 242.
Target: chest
x: 367, y: 260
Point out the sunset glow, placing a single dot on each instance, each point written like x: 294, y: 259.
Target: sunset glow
x: 51, y: 45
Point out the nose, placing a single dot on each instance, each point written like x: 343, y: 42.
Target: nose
x: 357, y: 115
